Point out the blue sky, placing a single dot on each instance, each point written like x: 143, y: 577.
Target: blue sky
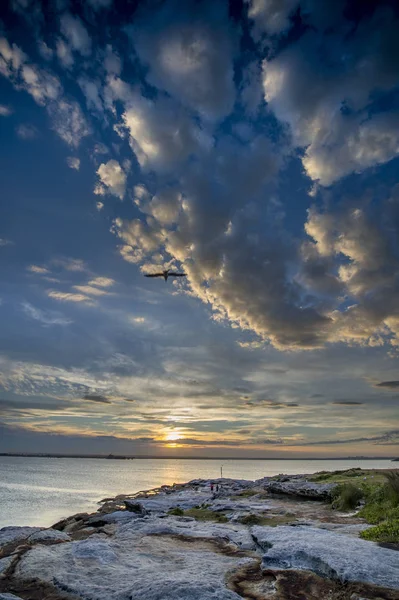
x: 253, y: 144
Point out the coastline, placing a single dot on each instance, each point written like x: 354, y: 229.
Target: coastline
x: 240, y: 539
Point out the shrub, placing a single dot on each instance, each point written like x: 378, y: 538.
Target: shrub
x: 204, y: 514
x: 393, y: 486
x: 251, y: 519
x: 388, y: 531
x: 176, y: 511
x: 346, y: 496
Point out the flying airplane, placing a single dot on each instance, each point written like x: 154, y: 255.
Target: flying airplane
x: 165, y: 274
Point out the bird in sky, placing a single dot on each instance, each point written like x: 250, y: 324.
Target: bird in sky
x: 165, y: 274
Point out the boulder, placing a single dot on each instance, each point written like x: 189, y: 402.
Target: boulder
x: 11, y: 535
x: 328, y: 554
x: 48, y: 535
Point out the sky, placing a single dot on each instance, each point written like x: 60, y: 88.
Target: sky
x: 253, y: 144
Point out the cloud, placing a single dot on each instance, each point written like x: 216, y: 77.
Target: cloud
x: 387, y: 438
x: 5, y: 111
x: 45, y: 51
x: 5, y: 242
x: 97, y: 398
x: 76, y: 34
x: 69, y: 121
x: 92, y: 291
x: 328, y: 102
x: 73, y: 162
x: 161, y: 135
x: 190, y: 54
x: 388, y: 384
x: 69, y: 297
x: 100, y: 4
x: 270, y: 16
x: 64, y: 53
x: 39, y: 270
x: 347, y: 402
x: 26, y: 132
x: 70, y: 264
x: 99, y: 206
x: 45, y: 317
x: 102, y: 282
x: 113, y: 179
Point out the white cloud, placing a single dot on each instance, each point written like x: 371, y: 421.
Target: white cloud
x: 91, y: 291
x: 64, y: 53
x: 5, y: 111
x: 102, y: 282
x: 69, y: 297
x: 327, y: 100
x: 113, y: 177
x: 99, y: 206
x: 69, y: 122
x: 73, y: 162
x: 160, y: 136
x: 191, y: 57
x: 5, y: 242
x: 76, y: 34
x: 45, y: 317
x: 270, y: 16
x: 38, y: 269
x: 91, y: 90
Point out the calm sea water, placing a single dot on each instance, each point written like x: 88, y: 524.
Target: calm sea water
x: 40, y: 491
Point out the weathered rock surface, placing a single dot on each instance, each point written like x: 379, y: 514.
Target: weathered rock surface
x: 298, y: 487
x: 9, y: 535
x: 9, y: 597
x: 328, y: 554
x: 133, y: 549
x: 49, y: 535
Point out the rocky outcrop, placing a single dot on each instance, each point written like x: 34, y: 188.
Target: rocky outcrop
x: 134, y: 549
x: 328, y: 554
x: 298, y: 487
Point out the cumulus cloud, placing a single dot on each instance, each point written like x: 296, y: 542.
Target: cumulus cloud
x: 112, y: 178
x: 270, y: 16
x: 73, y: 162
x: 189, y: 50
x: 328, y: 100
x: 161, y: 135
x: 76, y: 34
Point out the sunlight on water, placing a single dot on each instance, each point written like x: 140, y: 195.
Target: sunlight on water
x: 40, y: 491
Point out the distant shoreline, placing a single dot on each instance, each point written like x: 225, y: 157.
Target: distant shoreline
x: 217, y: 458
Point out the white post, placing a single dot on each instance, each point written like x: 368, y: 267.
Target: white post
x: 221, y: 472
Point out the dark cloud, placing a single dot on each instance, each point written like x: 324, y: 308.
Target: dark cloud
x: 97, y: 398
x: 347, y: 402
x: 388, y: 384
x: 388, y: 438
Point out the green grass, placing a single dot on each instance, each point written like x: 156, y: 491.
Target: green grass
x: 253, y: 519
x: 200, y: 513
x: 346, y: 496
x: 205, y: 514
x: 388, y: 531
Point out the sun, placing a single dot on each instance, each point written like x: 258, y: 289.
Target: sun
x: 173, y: 436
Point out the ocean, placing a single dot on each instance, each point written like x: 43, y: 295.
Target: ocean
x: 41, y: 491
